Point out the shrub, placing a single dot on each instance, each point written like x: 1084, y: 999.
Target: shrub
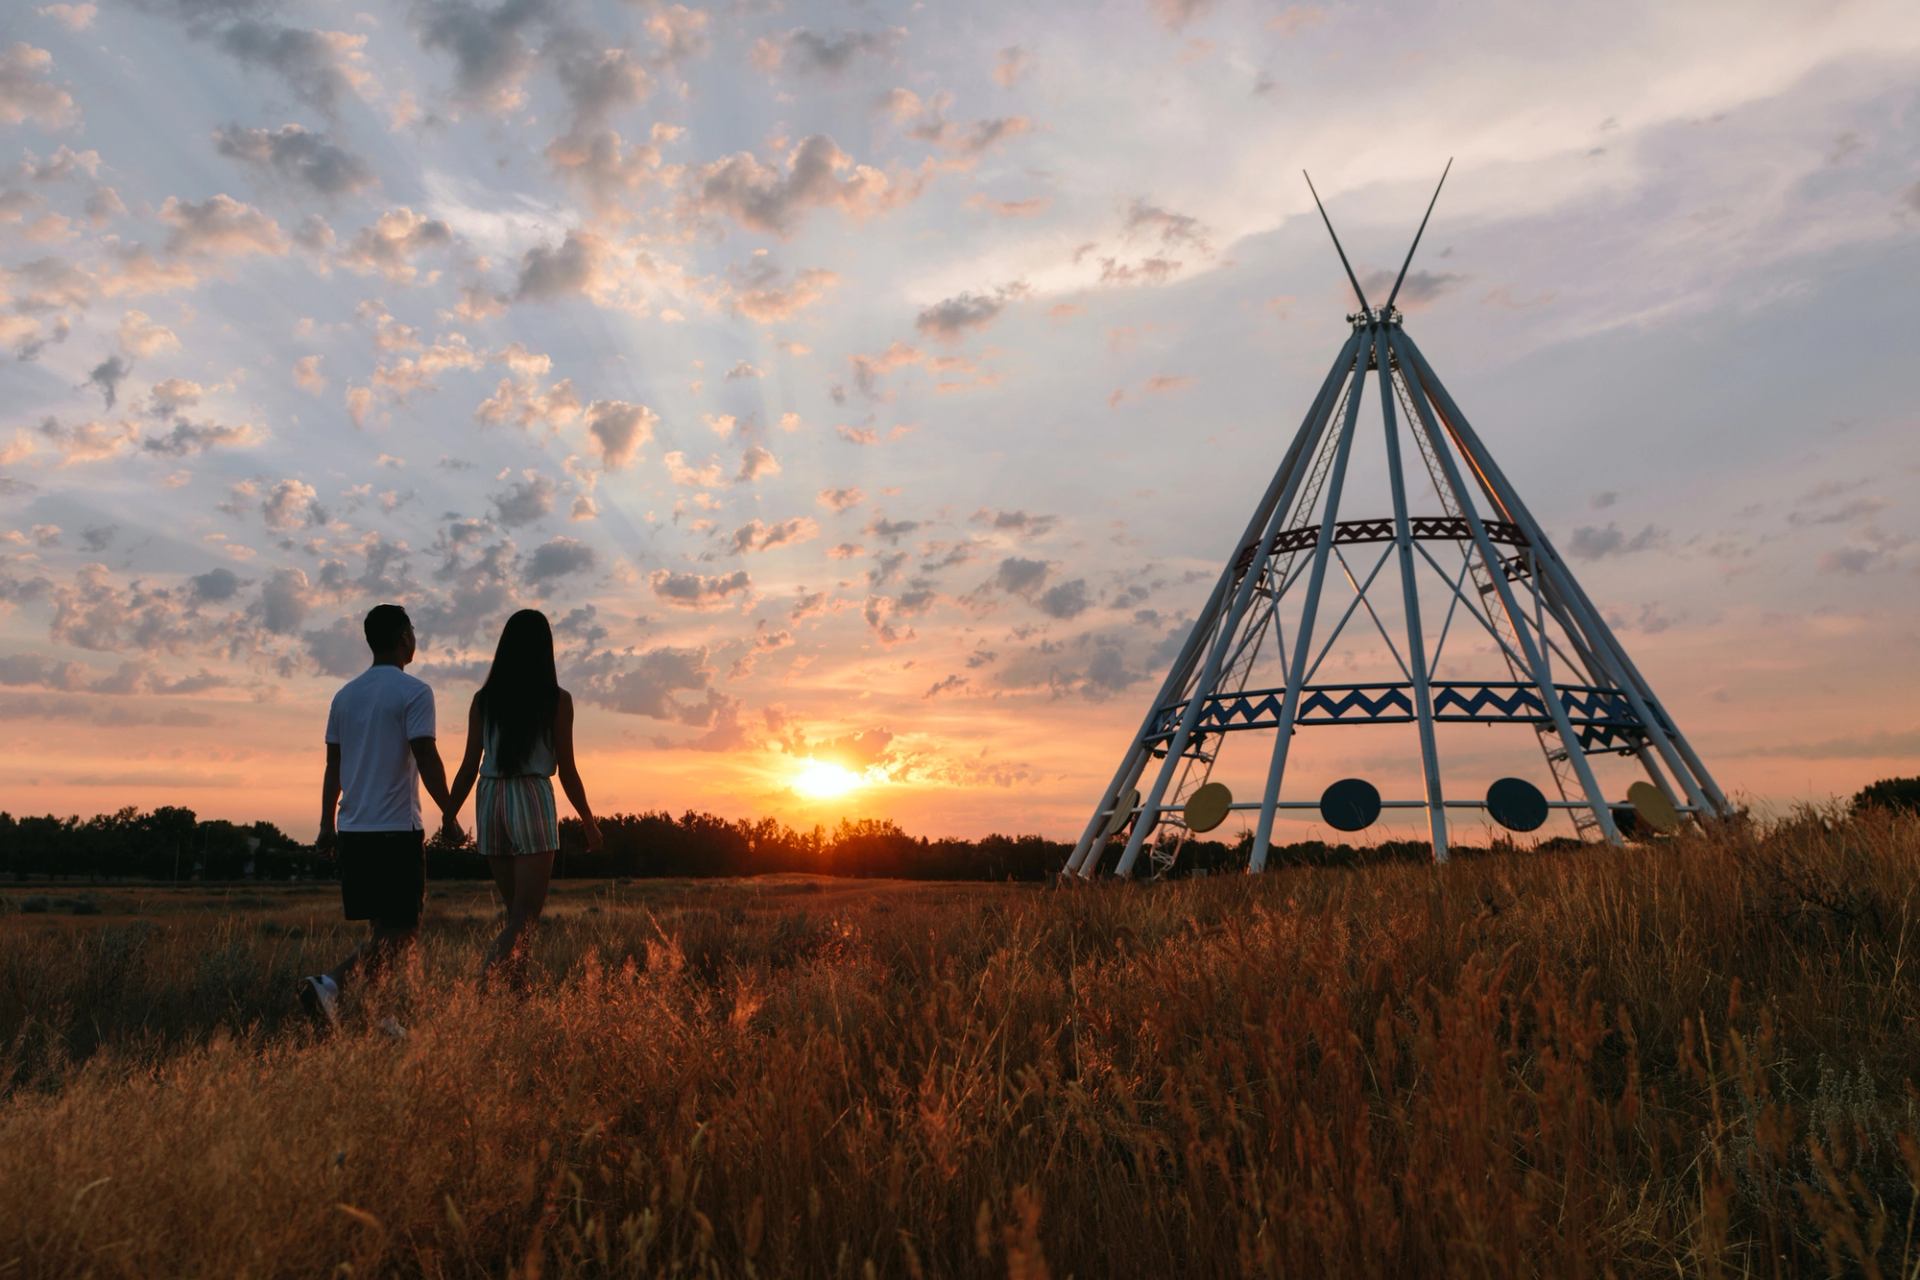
x: 1902, y: 795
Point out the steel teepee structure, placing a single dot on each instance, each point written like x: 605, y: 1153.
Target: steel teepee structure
x: 1250, y: 672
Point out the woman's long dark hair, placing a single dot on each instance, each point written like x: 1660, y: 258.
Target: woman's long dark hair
x: 517, y: 701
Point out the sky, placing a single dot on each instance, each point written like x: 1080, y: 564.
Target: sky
x: 883, y: 386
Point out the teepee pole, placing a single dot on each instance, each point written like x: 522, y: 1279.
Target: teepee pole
x: 1534, y: 652
x: 1086, y: 853
x: 1309, y: 606
x: 1287, y: 481
x: 1661, y: 729
x: 1410, y: 595
x: 1605, y: 670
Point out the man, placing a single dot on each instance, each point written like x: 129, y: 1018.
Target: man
x: 380, y: 749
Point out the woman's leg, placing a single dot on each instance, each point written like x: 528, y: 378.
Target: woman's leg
x: 530, y: 874
x: 501, y: 865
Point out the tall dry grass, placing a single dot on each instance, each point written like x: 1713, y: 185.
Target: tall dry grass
x: 1692, y: 1059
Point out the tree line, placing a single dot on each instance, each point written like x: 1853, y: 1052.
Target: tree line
x: 172, y: 843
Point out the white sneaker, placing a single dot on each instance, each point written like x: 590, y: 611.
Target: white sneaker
x: 320, y: 997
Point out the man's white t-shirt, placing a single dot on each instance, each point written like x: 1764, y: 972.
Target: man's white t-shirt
x: 374, y: 718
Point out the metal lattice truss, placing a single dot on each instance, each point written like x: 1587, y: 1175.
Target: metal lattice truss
x: 1561, y: 671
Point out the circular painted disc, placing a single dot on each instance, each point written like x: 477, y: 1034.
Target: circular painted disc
x: 1351, y: 804
x: 1122, y: 812
x: 1207, y: 808
x: 1651, y: 803
x: 1516, y: 804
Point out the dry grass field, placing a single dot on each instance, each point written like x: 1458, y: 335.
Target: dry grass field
x: 1697, y: 1058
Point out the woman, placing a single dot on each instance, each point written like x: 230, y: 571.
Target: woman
x: 519, y: 733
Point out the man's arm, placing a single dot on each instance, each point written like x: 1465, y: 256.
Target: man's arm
x: 329, y: 796
x: 426, y: 754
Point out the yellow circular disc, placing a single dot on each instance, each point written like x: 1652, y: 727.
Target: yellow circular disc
x: 1207, y: 808
x: 1121, y: 812
x: 1651, y: 803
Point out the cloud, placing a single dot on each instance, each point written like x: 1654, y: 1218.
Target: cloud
x: 283, y: 605
x: 74, y: 17
x: 64, y: 163
x: 949, y: 321
x: 812, y: 51
x: 1178, y: 13
x: 647, y: 683
x: 610, y: 170
x: 141, y: 336
x: 758, y: 291
x: 881, y: 613
x: 1416, y: 291
x: 339, y: 650
x: 1590, y: 543
x: 757, y: 536
x: 189, y: 438
x: 171, y: 395
x: 755, y: 463
x: 320, y: 67
x: 297, y: 157
x: 222, y: 227
x: 818, y: 174
x: 1017, y: 522
x: 1028, y: 208
x: 307, y: 375
x: 289, y: 504
x: 838, y: 500
x: 558, y: 558
x: 1019, y: 575
x: 1066, y: 600
x: 891, y: 531
x: 388, y: 247
x: 706, y: 477
x: 619, y: 429
x: 88, y: 441
x: 108, y: 375
x: 490, y: 54
x: 27, y: 93
x: 685, y: 590
x: 577, y: 265
x: 527, y: 404
x: 1172, y: 229
x: 1011, y: 66
x: 524, y: 500
x: 215, y: 585
x: 925, y: 120
x: 602, y: 81
x: 678, y: 33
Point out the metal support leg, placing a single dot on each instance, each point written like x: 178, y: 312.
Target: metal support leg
x: 1287, y: 482
x: 1410, y: 593
x: 1535, y: 653
x: 1303, y: 635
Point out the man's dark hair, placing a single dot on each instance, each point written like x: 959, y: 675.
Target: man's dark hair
x: 384, y: 625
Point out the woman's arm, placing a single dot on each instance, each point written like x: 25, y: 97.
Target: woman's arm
x: 470, y: 763
x: 569, y: 771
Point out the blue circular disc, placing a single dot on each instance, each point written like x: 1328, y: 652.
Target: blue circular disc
x: 1351, y: 804
x: 1516, y: 804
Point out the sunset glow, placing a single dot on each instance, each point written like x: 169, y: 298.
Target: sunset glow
x: 871, y: 396
x: 824, y: 780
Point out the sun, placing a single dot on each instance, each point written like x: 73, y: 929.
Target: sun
x: 823, y: 780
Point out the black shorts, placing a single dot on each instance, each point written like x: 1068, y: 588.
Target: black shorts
x: 383, y: 876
